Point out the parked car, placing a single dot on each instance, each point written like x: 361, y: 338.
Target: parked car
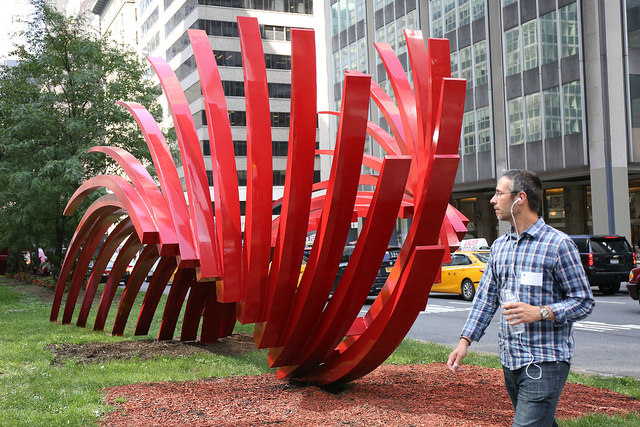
x: 389, y: 259
x: 462, y: 275
x: 632, y: 286
x: 607, y: 260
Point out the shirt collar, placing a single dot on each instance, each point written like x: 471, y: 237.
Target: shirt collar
x: 531, y: 231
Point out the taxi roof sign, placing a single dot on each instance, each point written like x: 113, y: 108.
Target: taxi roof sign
x: 474, y: 245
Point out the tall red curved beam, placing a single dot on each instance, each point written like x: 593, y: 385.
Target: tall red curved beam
x: 164, y: 270
x: 194, y: 171
x: 145, y: 261
x: 227, y: 201
x: 355, y: 284
x: 225, y: 176
x: 106, y: 220
x: 169, y: 182
x: 293, y: 220
x: 126, y: 254
x: 85, y: 226
x: 257, y: 248
x: 182, y: 281
x: 335, y: 222
x: 403, y: 296
x: 112, y: 242
x: 128, y: 196
x: 148, y: 190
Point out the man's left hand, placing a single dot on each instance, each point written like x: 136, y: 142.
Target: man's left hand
x: 520, y: 312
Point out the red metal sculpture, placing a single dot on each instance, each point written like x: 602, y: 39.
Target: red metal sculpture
x: 255, y: 278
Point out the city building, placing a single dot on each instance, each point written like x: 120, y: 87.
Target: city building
x: 552, y: 86
x: 159, y: 28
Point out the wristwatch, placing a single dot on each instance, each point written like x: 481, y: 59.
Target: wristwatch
x: 544, y: 313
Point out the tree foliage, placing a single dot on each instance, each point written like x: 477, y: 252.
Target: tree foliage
x: 54, y: 105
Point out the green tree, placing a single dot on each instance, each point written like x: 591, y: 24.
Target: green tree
x: 54, y: 105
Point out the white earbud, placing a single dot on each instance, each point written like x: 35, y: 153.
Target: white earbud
x: 516, y: 201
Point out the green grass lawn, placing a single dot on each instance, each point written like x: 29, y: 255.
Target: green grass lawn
x: 35, y: 391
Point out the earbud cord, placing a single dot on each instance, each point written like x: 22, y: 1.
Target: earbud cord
x: 513, y: 269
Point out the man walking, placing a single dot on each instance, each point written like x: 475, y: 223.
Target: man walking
x: 539, y: 268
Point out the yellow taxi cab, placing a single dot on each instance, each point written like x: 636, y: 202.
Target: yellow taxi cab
x: 462, y: 275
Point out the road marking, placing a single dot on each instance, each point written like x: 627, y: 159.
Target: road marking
x: 435, y: 309
x: 601, y: 301
x: 602, y: 327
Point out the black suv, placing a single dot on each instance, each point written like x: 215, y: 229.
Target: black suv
x: 389, y: 259
x: 607, y: 260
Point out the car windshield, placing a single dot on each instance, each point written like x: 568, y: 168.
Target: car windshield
x: 607, y: 246
x: 482, y: 256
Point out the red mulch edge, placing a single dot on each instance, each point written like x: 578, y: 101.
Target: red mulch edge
x: 391, y: 395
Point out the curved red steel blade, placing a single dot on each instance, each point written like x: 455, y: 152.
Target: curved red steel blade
x: 225, y: 176
x: 355, y: 284
x: 294, y: 217
x: 147, y: 258
x: 194, y: 171
x: 84, y: 228
x: 257, y: 248
x: 357, y: 356
x: 183, y: 280
x: 126, y: 254
x: 150, y: 193
x: 335, y: 222
x: 109, y: 216
x: 164, y: 270
x: 128, y: 196
x: 112, y: 242
x: 169, y: 182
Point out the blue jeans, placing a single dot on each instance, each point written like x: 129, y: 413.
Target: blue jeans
x: 535, y: 400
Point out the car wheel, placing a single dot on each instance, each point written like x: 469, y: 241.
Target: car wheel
x: 467, y: 290
x: 609, y: 288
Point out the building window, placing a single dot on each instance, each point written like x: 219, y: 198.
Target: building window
x: 179, y: 16
x: 152, y: 19
x: 512, y: 50
x: 552, y: 115
x: 530, y: 44
x: 534, y: 123
x: 480, y: 54
x: 484, y: 129
x: 508, y: 2
x: 240, y: 148
x: 633, y: 25
x: 466, y: 66
x: 572, y: 108
x: 469, y: 133
x: 436, y: 19
x: 242, y: 179
x: 549, y: 37
x: 280, y: 148
x: 477, y: 7
x: 206, y: 148
x: 210, y: 178
x: 454, y: 64
x: 634, y: 83
x: 554, y: 204
x: 569, y: 30
x: 463, y: 12
x: 449, y: 15
x: 516, y: 128
x: 278, y: 177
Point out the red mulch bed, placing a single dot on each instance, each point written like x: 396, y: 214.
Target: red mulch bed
x: 391, y: 395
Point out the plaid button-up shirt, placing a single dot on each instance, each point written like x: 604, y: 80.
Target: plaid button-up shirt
x: 564, y: 288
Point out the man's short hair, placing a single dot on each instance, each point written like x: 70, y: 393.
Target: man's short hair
x: 527, y: 181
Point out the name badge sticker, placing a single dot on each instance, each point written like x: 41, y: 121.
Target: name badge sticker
x: 530, y: 278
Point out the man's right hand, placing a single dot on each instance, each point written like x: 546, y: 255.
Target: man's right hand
x: 456, y: 356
